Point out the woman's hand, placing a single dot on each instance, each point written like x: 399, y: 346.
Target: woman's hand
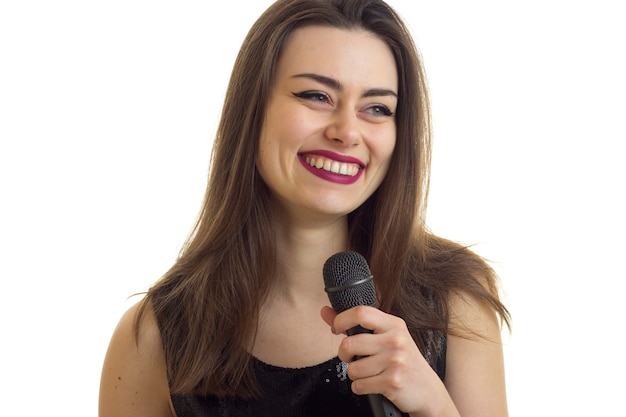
x: 389, y: 361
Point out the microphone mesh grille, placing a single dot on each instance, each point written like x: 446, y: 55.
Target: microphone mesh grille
x: 346, y: 268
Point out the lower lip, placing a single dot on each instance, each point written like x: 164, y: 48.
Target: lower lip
x: 330, y: 176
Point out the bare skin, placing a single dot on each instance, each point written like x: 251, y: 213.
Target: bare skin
x: 134, y: 383
x: 394, y: 367
x: 335, y: 101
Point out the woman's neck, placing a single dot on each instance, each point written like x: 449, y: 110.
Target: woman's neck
x: 301, y: 253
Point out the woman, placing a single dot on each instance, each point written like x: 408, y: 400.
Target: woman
x: 323, y: 146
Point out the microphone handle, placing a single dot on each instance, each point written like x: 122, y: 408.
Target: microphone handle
x: 381, y: 406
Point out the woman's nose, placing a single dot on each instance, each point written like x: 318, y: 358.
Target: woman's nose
x: 343, y: 128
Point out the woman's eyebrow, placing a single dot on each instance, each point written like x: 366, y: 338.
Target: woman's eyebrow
x: 337, y: 86
x: 377, y: 92
x: 327, y: 81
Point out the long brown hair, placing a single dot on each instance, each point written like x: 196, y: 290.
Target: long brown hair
x: 207, y: 304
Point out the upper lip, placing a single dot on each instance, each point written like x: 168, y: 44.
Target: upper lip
x: 335, y: 156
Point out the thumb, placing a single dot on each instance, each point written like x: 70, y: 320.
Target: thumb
x: 328, y: 315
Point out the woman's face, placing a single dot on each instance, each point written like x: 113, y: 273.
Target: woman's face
x: 329, y: 131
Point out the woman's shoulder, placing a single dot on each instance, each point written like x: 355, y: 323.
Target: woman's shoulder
x: 134, y: 376
x: 474, y: 356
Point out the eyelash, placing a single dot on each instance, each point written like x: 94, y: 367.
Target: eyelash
x: 381, y: 110
x: 311, y: 95
x: 384, y: 110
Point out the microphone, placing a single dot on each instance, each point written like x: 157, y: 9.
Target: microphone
x: 348, y: 282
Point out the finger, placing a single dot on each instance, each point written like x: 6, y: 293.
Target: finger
x: 371, y: 385
x: 365, y: 367
x: 367, y: 317
x: 357, y: 346
x: 328, y: 315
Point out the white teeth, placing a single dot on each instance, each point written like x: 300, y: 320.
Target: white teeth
x: 332, y: 166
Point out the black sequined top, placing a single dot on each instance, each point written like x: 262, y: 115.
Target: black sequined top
x: 320, y: 390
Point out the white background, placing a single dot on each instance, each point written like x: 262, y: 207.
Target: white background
x: 107, y: 111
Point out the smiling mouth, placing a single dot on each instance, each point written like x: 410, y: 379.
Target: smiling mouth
x: 330, y: 165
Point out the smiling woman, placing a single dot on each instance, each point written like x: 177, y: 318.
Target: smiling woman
x: 331, y: 108
x: 323, y: 147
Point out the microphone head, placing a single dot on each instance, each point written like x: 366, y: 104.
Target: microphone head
x: 348, y: 281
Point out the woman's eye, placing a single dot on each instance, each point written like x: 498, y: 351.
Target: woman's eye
x: 379, y: 110
x: 315, y: 96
